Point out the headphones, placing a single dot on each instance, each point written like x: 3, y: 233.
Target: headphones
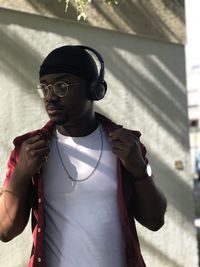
x: 97, y: 89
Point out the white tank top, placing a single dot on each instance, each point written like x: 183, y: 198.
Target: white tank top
x: 82, y: 226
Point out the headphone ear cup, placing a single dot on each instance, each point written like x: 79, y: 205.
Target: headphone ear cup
x: 97, y: 90
x: 101, y: 90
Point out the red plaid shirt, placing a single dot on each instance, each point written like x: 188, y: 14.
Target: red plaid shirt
x: 124, y: 198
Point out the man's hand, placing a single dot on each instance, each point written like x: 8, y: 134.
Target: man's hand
x: 33, y: 154
x: 127, y: 148
x: 148, y: 204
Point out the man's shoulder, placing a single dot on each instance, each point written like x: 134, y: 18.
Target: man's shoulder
x: 110, y: 125
x: 46, y: 130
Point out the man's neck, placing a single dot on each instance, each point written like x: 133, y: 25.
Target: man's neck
x: 81, y: 127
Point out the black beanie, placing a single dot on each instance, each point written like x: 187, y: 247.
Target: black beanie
x: 70, y: 59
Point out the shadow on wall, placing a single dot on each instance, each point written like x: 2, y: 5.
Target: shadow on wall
x: 152, y: 88
x: 159, y: 255
x: 56, y: 8
x: 19, y: 59
x: 141, y: 17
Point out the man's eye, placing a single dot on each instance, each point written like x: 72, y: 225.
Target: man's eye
x: 63, y: 85
x: 44, y: 88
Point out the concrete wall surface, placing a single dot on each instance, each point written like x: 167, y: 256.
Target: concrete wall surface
x: 159, y: 19
x: 146, y: 91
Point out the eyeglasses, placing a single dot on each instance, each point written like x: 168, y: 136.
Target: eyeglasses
x: 60, y: 89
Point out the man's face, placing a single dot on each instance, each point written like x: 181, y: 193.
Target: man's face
x: 70, y: 108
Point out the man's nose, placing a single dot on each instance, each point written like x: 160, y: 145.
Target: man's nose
x: 51, y: 94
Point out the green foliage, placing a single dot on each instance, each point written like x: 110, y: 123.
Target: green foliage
x: 81, y: 4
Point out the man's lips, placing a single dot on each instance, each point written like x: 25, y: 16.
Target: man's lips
x: 53, y: 109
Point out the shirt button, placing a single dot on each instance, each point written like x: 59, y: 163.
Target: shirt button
x: 39, y: 259
x: 39, y: 200
x: 39, y: 230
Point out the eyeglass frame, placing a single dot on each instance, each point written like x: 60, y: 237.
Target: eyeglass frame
x: 54, y: 90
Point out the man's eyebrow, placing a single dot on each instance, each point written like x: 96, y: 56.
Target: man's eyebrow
x: 57, y: 78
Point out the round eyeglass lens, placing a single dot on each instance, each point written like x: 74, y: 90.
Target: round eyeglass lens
x: 61, y: 89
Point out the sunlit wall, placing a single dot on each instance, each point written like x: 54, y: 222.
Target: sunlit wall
x: 146, y: 91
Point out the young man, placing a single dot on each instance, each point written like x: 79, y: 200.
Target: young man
x: 84, y: 177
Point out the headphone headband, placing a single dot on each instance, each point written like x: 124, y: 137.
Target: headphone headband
x: 98, y: 87
x: 98, y: 56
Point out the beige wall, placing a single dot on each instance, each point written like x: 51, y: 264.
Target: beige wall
x: 146, y: 91
x: 159, y: 19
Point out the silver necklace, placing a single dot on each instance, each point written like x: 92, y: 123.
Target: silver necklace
x: 98, y: 161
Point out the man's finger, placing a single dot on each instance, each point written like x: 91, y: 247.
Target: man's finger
x: 39, y: 152
x: 122, y: 135
x: 120, y: 145
x: 33, y: 139
x: 38, y: 144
